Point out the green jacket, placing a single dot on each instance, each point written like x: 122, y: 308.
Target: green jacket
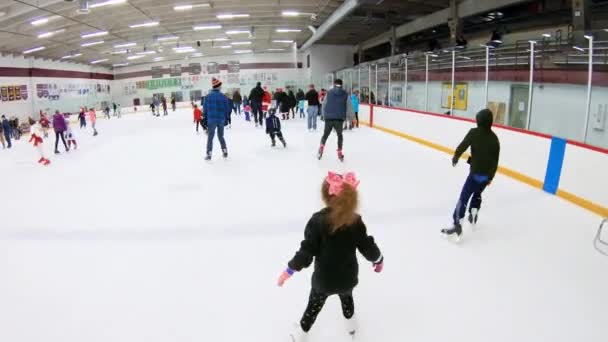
x: 485, y: 147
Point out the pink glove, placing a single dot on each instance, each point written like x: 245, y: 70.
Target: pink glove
x: 379, y: 266
x: 284, y: 276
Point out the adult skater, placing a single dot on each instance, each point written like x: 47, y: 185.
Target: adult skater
x: 6, y: 128
x: 332, y: 238
x: 485, y: 150
x: 256, y: 96
x: 59, y: 126
x: 81, y: 118
x: 115, y: 107
x: 237, y: 100
x: 301, y: 98
x: 283, y: 103
x: 292, y: 102
x: 173, y: 103
x: 312, y: 97
x: 217, y: 107
x: 335, y: 108
x: 164, y: 104
x: 266, y: 102
x: 157, y: 105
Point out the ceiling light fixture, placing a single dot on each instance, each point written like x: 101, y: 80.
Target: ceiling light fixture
x: 242, y: 51
x: 198, y: 54
x: 546, y: 35
x: 39, y: 22
x: 120, y: 52
x: 275, y: 50
x: 160, y: 39
x: 92, y: 43
x: 283, y: 41
x: 120, y: 64
x: 94, y: 34
x: 232, y: 16
x: 156, y: 59
x: 50, y: 34
x: 124, y: 45
x: 72, y: 56
x: 240, y: 43
x: 151, y: 52
x: 148, y: 24
x: 99, y: 61
x: 290, y: 13
x: 285, y: 30
x: 578, y: 48
x: 135, y: 57
x: 39, y: 48
x: 189, y: 7
x: 207, y: 27
x: 224, y: 47
x: 233, y: 32
x: 107, y: 2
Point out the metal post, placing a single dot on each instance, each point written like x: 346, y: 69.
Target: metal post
x: 376, y: 87
x: 351, y: 81
x: 452, y: 100
x: 589, y: 79
x: 388, y: 95
x: 532, y: 44
x: 487, y: 74
x: 426, y: 86
x: 369, y: 85
x: 405, y: 98
x: 359, y: 83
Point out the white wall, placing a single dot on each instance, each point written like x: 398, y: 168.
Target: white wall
x: 68, y: 102
x: 325, y: 59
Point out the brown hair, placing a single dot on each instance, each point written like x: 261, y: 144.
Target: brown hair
x: 342, y: 207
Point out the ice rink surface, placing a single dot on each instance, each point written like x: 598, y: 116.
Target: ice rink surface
x: 134, y: 238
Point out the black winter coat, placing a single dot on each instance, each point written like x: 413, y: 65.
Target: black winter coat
x: 335, y: 254
x: 312, y: 97
x: 256, y: 95
x: 485, y: 146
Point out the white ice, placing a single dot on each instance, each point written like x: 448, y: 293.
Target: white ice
x: 133, y: 237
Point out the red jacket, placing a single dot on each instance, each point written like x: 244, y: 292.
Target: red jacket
x: 36, y: 139
x: 198, y: 115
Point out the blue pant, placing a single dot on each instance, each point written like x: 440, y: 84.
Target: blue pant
x: 312, y: 116
x: 7, y: 137
x: 472, y: 189
x: 211, y: 134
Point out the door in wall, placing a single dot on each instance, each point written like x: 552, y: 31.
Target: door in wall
x: 195, y: 95
x: 178, y: 96
x: 518, y: 108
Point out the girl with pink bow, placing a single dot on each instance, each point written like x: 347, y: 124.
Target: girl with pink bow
x: 331, y: 239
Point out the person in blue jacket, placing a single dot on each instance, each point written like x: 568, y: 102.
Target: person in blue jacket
x: 6, y: 127
x: 355, y: 100
x: 216, y: 110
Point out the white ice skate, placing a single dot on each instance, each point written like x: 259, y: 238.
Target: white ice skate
x: 298, y: 335
x: 352, y: 326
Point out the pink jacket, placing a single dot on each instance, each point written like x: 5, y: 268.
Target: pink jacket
x: 92, y: 116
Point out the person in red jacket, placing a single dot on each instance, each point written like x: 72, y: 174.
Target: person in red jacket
x: 266, y: 100
x: 198, y: 118
x: 36, y: 139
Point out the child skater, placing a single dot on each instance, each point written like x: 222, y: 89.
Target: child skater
x: 93, y: 120
x: 69, y: 134
x: 198, y: 117
x: 485, y: 150
x: 247, y: 110
x: 36, y: 139
x: 273, y: 128
x: 332, y: 237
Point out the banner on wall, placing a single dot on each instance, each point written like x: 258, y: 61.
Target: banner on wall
x: 234, y: 67
x: 11, y: 93
x: 175, y: 70
x: 157, y: 72
x: 213, y: 68
x: 4, y: 91
x: 164, y: 83
x: 195, y: 68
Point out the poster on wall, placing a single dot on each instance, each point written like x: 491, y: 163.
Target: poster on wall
x: 24, y: 95
x: 17, y: 90
x: 461, y: 94
x: 175, y: 70
x: 157, y: 72
x: 4, y: 91
x: 195, y: 68
x: 233, y: 79
x: 234, y: 67
x: 213, y: 68
x: 11, y: 93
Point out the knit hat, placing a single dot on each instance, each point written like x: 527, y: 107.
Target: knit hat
x: 215, y: 83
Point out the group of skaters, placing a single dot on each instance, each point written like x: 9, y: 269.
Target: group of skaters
x: 336, y: 107
x: 159, y: 103
x: 117, y: 112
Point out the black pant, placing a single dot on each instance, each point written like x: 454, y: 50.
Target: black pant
x: 199, y: 122
x: 83, y: 123
x: 57, y: 135
x: 256, y: 108
x: 278, y: 135
x: 165, y: 111
x: 316, y: 300
x: 330, y: 125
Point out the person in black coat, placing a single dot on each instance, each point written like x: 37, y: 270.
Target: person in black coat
x: 331, y: 239
x: 292, y: 102
x: 273, y: 128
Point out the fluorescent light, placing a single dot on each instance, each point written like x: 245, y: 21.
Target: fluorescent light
x: 532, y: 41
x: 207, y: 27
x: 40, y: 48
x: 578, y: 48
x: 216, y: 40
x: 546, y: 35
x: 466, y: 57
x: 290, y: 13
x: 283, y: 41
x: 243, y: 51
x: 99, y: 61
x: 284, y: 30
x: 275, y: 49
x: 94, y: 34
x: 92, y: 43
x: 240, y: 43
x: 39, y: 22
x: 50, y: 34
x: 183, y: 49
x: 119, y: 52
x: 120, y: 64
x: 124, y: 45
x: 71, y: 56
x: 151, y: 52
x: 498, y: 41
x: 232, y: 16
x: 160, y: 39
x: 224, y: 47
x: 199, y: 54
x: 107, y: 2
x: 588, y: 36
x: 156, y: 59
x: 148, y: 24
x: 135, y: 57
x: 189, y: 7
x: 232, y: 32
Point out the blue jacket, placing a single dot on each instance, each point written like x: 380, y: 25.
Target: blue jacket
x: 336, y: 104
x: 217, y: 107
x: 273, y: 124
x: 355, y: 101
x: 6, y: 125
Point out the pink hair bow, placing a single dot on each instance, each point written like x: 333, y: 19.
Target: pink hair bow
x: 336, y: 182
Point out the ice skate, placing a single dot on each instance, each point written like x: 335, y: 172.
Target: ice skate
x: 340, y: 155
x: 320, y: 154
x: 284, y: 143
x: 298, y: 335
x: 351, y: 326
x: 46, y: 162
x: 225, y: 153
x: 57, y: 152
x: 208, y: 157
x: 273, y: 144
x: 473, y: 214
x: 453, y: 233
x: 41, y: 160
